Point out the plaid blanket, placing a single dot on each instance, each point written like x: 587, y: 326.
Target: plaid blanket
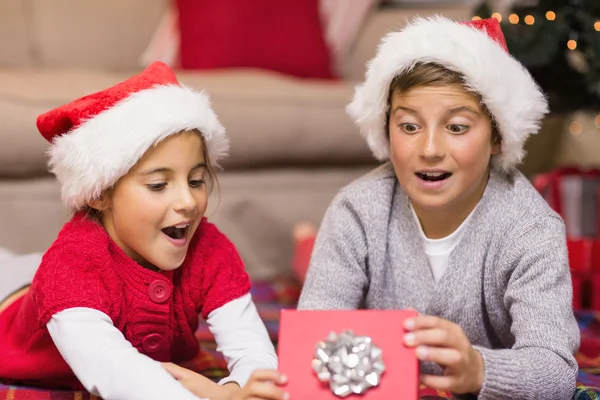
x: 272, y: 297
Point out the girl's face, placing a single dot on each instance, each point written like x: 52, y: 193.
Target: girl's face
x: 154, y: 210
x: 441, y: 144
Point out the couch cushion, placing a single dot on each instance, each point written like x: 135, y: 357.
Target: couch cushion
x: 15, y: 33
x: 272, y: 119
x: 94, y: 34
x: 392, y: 18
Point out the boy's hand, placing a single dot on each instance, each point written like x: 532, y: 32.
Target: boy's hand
x: 445, y: 343
x: 263, y: 385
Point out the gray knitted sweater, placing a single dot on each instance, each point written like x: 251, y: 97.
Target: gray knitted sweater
x: 507, y: 283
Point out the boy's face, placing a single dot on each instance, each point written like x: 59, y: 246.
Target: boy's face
x: 441, y: 144
x: 165, y: 189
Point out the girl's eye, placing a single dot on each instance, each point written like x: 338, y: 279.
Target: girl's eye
x: 409, y: 128
x: 457, y: 128
x: 156, y: 187
x: 196, y: 183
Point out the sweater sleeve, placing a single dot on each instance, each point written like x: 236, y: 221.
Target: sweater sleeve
x: 538, y: 295
x: 242, y: 338
x: 106, y: 363
x: 336, y: 277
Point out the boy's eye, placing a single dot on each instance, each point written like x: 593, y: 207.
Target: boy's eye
x: 457, y: 128
x: 156, y: 187
x: 409, y: 128
x: 196, y: 183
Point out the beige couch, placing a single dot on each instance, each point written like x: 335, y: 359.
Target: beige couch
x: 293, y: 146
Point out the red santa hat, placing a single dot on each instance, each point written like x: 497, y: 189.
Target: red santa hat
x: 98, y: 138
x: 475, y: 49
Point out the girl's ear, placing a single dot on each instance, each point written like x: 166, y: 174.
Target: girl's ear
x: 100, y: 204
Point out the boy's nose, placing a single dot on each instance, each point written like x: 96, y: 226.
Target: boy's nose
x: 432, y: 145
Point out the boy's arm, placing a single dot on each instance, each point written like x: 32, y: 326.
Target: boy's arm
x: 538, y: 295
x: 242, y: 338
x: 106, y: 363
x: 337, y: 278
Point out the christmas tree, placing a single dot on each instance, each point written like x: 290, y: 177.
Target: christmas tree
x: 559, y: 43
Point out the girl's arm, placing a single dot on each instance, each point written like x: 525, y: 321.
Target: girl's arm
x: 534, y: 274
x: 242, y: 338
x: 106, y: 363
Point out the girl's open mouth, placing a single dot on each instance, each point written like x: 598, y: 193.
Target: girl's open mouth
x: 177, y: 232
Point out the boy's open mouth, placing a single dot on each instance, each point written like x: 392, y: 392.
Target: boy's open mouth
x: 433, y: 176
x: 176, y: 231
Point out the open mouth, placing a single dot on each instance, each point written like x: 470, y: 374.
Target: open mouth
x: 433, y: 176
x: 176, y: 232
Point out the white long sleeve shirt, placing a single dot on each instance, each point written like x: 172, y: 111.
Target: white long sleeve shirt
x: 110, y: 367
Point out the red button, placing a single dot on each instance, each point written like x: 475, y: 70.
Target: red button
x: 152, y: 343
x: 159, y: 291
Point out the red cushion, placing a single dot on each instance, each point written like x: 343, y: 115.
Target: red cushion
x: 284, y: 36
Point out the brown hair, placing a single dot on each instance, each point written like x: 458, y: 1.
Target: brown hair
x: 432, y: 74
x: 211, y: 182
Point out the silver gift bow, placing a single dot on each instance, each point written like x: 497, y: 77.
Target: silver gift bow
x: 351, y: 364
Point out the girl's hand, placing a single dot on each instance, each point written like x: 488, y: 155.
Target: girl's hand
x: 197, y: 384
x: 263, y: 385
x: 445, y: 343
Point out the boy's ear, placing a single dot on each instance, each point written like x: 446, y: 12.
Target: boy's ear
x: 496, y: 141
x: 496, y: 148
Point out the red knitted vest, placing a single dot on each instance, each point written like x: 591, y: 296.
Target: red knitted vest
x: 156, y: 311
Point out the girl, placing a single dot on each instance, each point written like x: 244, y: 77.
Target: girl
x: 449, y: 226
x: 120, y: 289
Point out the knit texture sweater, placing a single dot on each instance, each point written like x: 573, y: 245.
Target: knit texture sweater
x: 156, y: 311
x: 507, y: 283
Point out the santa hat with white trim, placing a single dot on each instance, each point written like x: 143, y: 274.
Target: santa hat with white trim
x: 98, y: 138
x: 475, y: 49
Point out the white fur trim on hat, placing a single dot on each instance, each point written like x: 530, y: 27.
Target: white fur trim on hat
x: 94, y: 155
x: 508, y: 91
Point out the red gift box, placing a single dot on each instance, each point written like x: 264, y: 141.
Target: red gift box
x: 300, y: 331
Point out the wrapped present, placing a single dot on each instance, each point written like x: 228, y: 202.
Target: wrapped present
x: 330, y: 355
x: 573, y: 193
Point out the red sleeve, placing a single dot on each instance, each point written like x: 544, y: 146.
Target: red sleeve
x: 67, y: 279
x: 223, y: 276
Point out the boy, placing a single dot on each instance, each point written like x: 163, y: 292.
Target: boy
x: 449, y: 226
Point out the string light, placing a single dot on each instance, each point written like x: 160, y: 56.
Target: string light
x: 513, y: 19
x: 498, y: 16
x: 572, y: 44
x: 597, y: 26
x: 550, y: 15
x: 529, y: 20
x: 476, y: 18
x: 576, y: 128
x: 597, y: 121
